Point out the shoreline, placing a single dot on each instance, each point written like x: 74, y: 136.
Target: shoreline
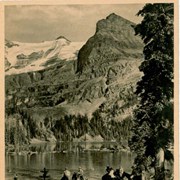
x: 36, y: 147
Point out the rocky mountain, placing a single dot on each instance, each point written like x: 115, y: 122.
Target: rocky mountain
x: 114, y: 39
x: 69, y: 98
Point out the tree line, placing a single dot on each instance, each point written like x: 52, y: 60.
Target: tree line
x: 21, y: 127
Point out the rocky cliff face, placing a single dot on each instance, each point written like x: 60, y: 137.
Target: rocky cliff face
x: 114, y: 39
x: 96, y: 89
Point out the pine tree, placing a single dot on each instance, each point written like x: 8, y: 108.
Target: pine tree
x: 153, y: 118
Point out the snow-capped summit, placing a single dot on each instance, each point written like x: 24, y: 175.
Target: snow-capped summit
x: 25, y: 57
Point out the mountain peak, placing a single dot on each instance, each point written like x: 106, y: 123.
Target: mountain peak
x: 113, y: 21
x: 114, y: 37
x: 10, y: 44
x: 62, y: 37
x: 112, y: 15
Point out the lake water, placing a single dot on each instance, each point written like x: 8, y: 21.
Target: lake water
x: 92, y: 157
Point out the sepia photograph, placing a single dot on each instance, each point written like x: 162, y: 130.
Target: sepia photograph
x: 89, y: 91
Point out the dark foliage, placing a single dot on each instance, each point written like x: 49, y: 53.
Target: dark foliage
x: 153, y: 117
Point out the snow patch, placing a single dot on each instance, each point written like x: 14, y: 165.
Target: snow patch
x: 60, y: 49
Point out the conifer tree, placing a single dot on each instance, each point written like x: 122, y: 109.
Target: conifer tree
x: 152, y: 132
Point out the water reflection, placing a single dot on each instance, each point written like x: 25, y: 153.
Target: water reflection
x: 92, y: 157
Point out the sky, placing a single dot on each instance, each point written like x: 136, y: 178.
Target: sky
x: 47, y: 22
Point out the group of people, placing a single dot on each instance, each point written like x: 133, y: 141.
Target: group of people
x: 76, y: 175
x: 111, y: 174
x: 120, y: 174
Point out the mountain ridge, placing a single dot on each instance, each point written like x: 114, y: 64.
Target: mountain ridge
x: 96, y: 88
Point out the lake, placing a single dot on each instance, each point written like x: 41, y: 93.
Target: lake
x: 91, y: 157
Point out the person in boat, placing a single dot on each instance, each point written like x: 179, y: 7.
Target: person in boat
x: 79, y: 175
x: 15, y: 177
x: 121, y: 174
x: 136, y: 173
x: 80, y: 171
x: 66, y: 175
x: 111, y: 175
x: 74, y: 176
x: 106, y: 176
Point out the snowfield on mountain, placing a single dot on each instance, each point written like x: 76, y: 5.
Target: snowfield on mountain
x: 26, y: 57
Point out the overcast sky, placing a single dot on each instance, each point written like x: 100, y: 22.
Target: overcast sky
x: 75, y: 22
